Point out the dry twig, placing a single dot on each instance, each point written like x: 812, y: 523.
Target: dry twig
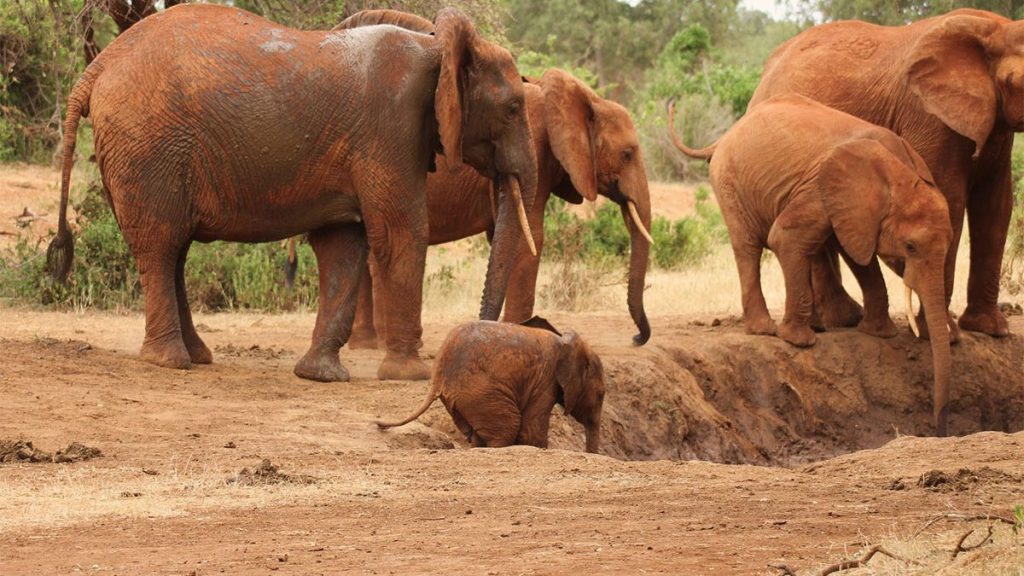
x: 962, y: 518
x: 857, y: 563
x: 960, y: 543
x: 786, y: 570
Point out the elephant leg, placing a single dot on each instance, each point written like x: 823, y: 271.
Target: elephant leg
x: 988, y: 213
x: 533, y: 430
x: 876, y: 321
x: 755, y: 311
x: 522, y: 285
x: 197, y: 349
x: 163, y: 344
x: 341, y: 257
x: 834, y: 306
x: 364, y: 334
x: 399, y: 245
x: 795, y: 327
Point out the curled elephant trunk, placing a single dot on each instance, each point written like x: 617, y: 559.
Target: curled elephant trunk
x: 508, y: 225
x: 638, y: 221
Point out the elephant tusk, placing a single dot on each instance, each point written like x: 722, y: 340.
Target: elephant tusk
x: 524, y: 223
x: 910, y: 312
x: 636, y: 219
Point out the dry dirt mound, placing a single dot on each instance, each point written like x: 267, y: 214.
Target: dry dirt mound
x: 24, y: 451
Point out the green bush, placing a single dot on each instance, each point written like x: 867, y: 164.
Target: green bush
x: 604, y: 238
x: 218, y: 276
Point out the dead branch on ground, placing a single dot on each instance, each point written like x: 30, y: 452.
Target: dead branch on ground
x: 960, y: 543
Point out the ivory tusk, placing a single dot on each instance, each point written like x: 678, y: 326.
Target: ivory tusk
x: 911, y: 317
x: 639, y: 224
x: 523, y: 222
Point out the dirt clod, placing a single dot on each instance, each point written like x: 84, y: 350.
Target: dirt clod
x: 265, y: 474
x: 25, y: 451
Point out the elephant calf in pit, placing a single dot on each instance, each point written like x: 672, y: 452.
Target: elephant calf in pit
x: 794, y: 175
x: 499, y: 382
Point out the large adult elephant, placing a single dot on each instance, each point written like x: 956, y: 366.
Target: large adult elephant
x: 952, y: 86
x: 212, y: 123
x: 585, y: 145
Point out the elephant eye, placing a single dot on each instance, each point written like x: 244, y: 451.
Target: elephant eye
x: 627, y: 155
x: 911, y: 248
x: 513, y: 110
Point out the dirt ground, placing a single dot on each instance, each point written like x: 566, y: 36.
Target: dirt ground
x: 723, y: 453
x: 160, y: 500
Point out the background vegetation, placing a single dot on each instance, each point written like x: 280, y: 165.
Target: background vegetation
x: 707, y: 53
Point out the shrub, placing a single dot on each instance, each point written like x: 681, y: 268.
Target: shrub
x: 603, y: 239
x: 218, y: 276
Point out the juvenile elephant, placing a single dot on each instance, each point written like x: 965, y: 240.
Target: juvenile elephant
x: 585, y: 145
x: 953, y: 87
x: 212, y: 123
x: 499, y: 381
x: 791, y: 174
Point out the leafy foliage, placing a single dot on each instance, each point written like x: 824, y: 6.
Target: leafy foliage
x: 219, y: 275
x: 604, y: 238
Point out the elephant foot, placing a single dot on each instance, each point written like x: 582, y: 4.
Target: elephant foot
x: 396, y: 367
x: 881, y: 327
x: 363, y: 341
x: 954, y: 330
x: 322, y: 367
x: 166, y: 354
x: 817, y: 324
x: 990, y: 321
x: 198, y: 351
x: 761, y: 326
x: 799, y: 335
x: 841, y: 312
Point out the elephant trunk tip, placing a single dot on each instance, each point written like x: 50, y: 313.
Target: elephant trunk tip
x: 942, y: 422
x: 645, y: 331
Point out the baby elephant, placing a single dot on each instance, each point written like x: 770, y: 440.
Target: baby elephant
x: 793, y: 175
x: 499, y: 382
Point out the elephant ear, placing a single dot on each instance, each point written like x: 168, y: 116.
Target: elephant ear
x: 393, y: 17
x: 569, y: 116
x: 948, y: 68
x: 541, y: 323
x: 456, y: 35
x: 855, y: 191
x: 570, y: 372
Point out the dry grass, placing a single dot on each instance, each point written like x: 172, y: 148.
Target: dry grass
x: 710, y: 289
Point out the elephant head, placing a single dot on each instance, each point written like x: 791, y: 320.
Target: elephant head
x: 596, y: 143
x: 900, y: 215
x: 480, y: 110
x: 580, y: 376
x: 968, y: 70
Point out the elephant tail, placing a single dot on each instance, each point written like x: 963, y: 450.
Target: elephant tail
x: 703, y: 153
x: 435, y: 393
x: 61, y: 250
x: 383, y: 16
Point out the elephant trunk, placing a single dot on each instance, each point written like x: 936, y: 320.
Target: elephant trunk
x: 593, y: 432
x: 508, y: 227
x: 639, y: 250
x: 934, y: 303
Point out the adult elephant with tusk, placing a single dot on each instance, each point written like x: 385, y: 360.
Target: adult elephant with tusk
x: 586, y: 146
x: 212, y: 123
x: 793, y: 174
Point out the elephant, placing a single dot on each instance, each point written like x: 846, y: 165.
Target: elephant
x: 585, y: 145
x: 953, y: 87
x: 499, y: 382
x: 794, y: 174
x: 212, y: 123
